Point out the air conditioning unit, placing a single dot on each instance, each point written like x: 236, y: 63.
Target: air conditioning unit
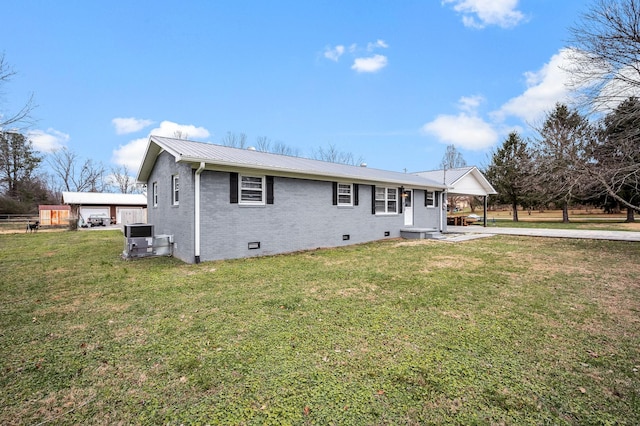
x: 138, y: 240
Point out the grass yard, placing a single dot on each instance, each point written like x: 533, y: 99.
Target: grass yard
x: 594, y: 219
x: 500, y: 330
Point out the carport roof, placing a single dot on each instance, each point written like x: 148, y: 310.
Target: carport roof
x: 462, y: 180
x: 103, y: 199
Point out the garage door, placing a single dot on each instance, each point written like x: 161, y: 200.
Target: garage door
x: 126, y: 216
x: 85, y: 212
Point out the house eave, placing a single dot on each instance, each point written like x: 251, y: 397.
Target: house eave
x: 226, y: 166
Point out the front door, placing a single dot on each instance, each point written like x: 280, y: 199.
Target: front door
x: 407, y: 198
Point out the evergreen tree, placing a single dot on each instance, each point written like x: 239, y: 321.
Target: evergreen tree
x: 18, y: 162
x: 509, y: 172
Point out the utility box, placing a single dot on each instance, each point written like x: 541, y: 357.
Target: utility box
x: 163, y: 245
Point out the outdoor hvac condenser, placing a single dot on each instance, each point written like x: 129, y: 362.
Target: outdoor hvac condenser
x: 138, y: 240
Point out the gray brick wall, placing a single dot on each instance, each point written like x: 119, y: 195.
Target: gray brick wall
x: 167, y: 218
x: 302, y: 216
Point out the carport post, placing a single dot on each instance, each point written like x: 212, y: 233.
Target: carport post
x: 485, y: 211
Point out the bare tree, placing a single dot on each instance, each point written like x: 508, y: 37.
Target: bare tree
x: 264, y: 144
x: 74, y: 174
x: 613, y: 164
x: 234, y: 140
x: 22, y: 116
x: 606, y: 71
x: 179, y: 134
x: 452, y: 159
x: 605, y: 53
x: 333, y: 155
x: 121, y: 179
x: 559, y: 156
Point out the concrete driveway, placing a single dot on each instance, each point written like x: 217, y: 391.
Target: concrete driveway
x: 554, y: 233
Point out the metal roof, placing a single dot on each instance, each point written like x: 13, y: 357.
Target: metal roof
x: 103, y: 198
x: 223, y: 158
x: 453, y: 177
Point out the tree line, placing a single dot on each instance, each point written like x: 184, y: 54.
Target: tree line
x: 571, y: 160
x: 589, y: 152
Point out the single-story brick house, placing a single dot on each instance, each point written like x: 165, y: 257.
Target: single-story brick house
x: 220, y: 202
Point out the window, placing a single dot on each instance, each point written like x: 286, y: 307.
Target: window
x: 429, y: 200
x: 252, y: 189
x: 154, y: 194
x: 175, y: 190
x: 386, y: 200
x: 345, y: 194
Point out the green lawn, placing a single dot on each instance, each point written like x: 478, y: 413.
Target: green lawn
x: 594, y: 224
x: 501, y: 330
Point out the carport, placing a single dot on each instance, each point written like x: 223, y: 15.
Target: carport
x: 463, y: 181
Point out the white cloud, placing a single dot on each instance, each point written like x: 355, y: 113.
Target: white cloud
x: 334, y: 53
x: 360, y: 63
x: 130, y: 155
x: 466, y: 129
x: 372, y: 64
x: 130, y: 125
x: 49, y: 140
x: 545, y: 88
x: 480, y: 13
x: 463, y: 130
x: 379, y: 44
x: 470, y: 103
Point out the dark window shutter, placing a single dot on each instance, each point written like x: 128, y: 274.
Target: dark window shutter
x: 335, y: 193
x: 233, y: 188
x: 436, y: 197
x: 373, y: 199
x: 426, y: 193
x: 400, y: 199
x: 356, y: 194
x: 269, y: 189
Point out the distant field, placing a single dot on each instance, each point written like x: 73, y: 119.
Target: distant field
x: 495, y: 331
x: 579, y: 219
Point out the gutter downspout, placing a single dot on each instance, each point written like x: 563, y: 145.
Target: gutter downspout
x: 197, y: 213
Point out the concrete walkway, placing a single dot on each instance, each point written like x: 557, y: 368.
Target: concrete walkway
x: 554, y: 233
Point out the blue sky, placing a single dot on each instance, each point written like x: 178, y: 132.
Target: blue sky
x: 393, y: 82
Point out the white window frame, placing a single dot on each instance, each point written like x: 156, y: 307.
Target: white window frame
x: 245, y: 186
x: 390, y: 198
x: 175, y: 190
x: 154, y: 194
x: 345, y: 190
x: 431, y: 204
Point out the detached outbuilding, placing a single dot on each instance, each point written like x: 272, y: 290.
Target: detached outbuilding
x: 219, y: 202
x: 121, y: 208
